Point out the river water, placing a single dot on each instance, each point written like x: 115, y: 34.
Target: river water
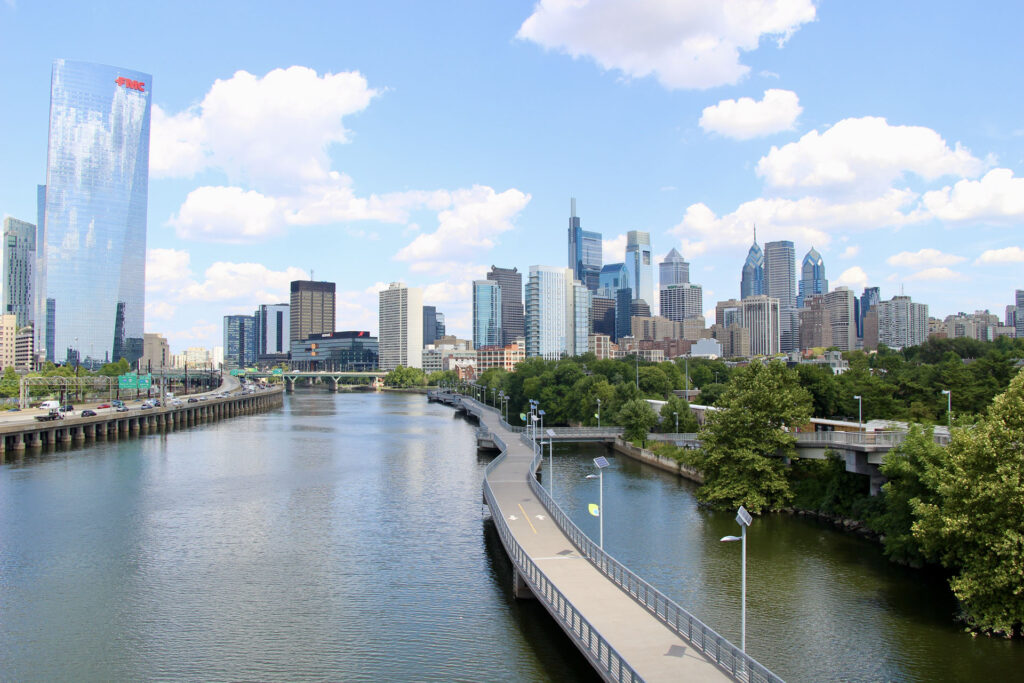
x: 343, y: 538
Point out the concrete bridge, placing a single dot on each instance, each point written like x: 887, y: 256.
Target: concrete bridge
x: 334, y: 377
x: 627, y: 629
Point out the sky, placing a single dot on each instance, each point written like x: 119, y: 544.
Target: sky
x: 368, y: 143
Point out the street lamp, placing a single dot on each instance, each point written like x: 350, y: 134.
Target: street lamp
x: 551, y: 463
x: 860, y: 413
x: 677, y: 422
x: 598, y: 510
x: 949, y: 408
x: 541, y: 413
x: 744, y: 519
x: 598, y: 413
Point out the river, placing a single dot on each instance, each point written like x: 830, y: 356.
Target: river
x: 342, y: 537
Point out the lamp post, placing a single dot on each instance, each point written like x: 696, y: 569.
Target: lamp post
x: 637, y: 369
x: 541, y: 413
x: 598, y: 413
x: 949, y: 408
x: 744, y: 519
x: 677, y: 422
x: 551, y: 463
x: 860, y: 413
x: 601, y: 463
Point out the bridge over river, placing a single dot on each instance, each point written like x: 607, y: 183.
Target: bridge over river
x: 625, y: 627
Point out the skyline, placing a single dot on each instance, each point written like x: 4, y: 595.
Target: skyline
x: 426, y: 145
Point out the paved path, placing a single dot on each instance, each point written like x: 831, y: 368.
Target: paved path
x: 644, y: 642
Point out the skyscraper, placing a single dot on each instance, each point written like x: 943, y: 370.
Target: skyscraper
x: 486, y: 314
x: 902, y: 323
x: 93, y: 235
x: 430, y: 330
x: 761, y: 317
x: 272, y: 334
x: 19, y: 265
x: 552, y: 296
x: 674, y: 270
x: 585, y: 255
x: 312, y: 309
x: 640, y: 265
x: 681, y: 302
x: 510, y: 280
x: 868, y: 300
x: 400, y: 341
x: 239, y: 341
x: 1019, y: 315
x: 812, y: 277
x: 780, y: 283
x: 752, y: 275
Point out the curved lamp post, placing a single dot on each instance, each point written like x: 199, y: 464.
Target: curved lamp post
x: 744, y: 519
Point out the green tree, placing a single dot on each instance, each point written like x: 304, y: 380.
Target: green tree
x: 115, y: 369
x: 405, y: 377
x: 638, y: 418
x: 743, y: 443
x: 447, y: 376
x: 907, y: 467
x: 654, y: 382
x: 710, y: 394
x: 678, y: 406
x: 977, y: 525
x: 9, y: 383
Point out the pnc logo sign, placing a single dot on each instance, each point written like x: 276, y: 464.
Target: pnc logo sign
x: 129, y: 83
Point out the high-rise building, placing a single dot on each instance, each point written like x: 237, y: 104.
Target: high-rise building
x: 156, y: 353
x: 602, y: 316
x: 273, y: 336
x: 814, y: 326
x: 552, y: 295
x: 92, y: 240
x: 842, y: 318
x: 901, y: 323
x: 868, y: 301
x: 728, y: 313
x: 780, y: 283
x: 1011, y: 317
x: 430, y: 334
x: 400, y: 341
x: 624, y: 312
x: 812, y: 277
x: 8, y: 340
x: 752, y: 275
x: 439, y: 328
x: 511, y: 282
x: 239, y: 341
x: 640, y: 265
x: 682, y: 301
x: 1019, y: 317
x: 311, y: 309
x: 674, y: 270
x: 486, y: 314
x: 19, y: 266
x: 761, y: 317
x: 614, y: 276
x: 585, y: 255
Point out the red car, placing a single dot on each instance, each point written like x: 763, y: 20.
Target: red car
x: 103, y: 405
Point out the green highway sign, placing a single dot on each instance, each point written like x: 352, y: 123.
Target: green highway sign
x: 145, y: 381
x: 277, y: 371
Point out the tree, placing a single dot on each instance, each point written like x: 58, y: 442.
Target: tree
x: 9, y: 383
x: 744, y: 443
x: 447, y: 376
x: 977, y: 524
x: 654, y: 382
x: 638, y: 418
x: 405, y: 377
x: 678, y: 406
x: 907, y: 466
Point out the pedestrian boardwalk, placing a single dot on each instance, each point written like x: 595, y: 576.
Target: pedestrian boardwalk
x: 625, y: 627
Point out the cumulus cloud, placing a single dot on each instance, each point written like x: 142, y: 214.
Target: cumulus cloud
x: 943, y: 274
x: 855, y: 278
x: 225, y: 281
x: 924, y: 257
x: 694, y: 44
x: 997, y: 197
x: 160, y: 310
x: 228, y: 214
x: 166, y: 269
x: 1006, y: 255
x: 864, y: 154
x: 746, y: 118
x: 614, y: 250
x: 850, y: 252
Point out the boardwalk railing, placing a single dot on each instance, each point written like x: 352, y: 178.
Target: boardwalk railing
x: 608, y: 662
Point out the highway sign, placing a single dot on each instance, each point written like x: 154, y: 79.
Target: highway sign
x: 145, y: 381
x: 128, y: 381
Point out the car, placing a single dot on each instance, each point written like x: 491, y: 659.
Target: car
x: 117, y: 404
x: 88, y: 413
x: 123, y: 408
x: 146, y: 406
x: 14, y: 409
x: 202, y: 398
x: 68, y: 408
x: 102, y: 406
x: 193, y: 399
x: 175, y: 402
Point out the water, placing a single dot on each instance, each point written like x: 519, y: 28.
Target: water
x: 343, y: 538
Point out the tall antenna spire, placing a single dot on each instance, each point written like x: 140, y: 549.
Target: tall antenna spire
x: 572, y: 205
x: 755, y: 233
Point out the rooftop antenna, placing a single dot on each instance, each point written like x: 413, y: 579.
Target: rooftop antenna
x: 572, y: 207
x: 755, y: 233
x: 311, y: 275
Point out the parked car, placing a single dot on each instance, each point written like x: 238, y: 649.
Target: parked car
x: 88, y: 413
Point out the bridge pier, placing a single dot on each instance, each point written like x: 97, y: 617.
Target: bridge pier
x: 521, y: 589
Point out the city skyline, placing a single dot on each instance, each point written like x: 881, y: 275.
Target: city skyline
x: 428, y: 166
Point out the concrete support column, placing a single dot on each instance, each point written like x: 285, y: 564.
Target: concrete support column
x: 79, y: 434
x: 133, y: 425
x: 35, y: 439
x: 18, y: 441
x: 520, y: 589
x: 65, y: 435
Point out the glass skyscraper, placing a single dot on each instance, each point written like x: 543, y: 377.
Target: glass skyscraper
x: 585, y: 251
x: 486, y: 313
x: 93, y: 238
x: 812, y: 277
x: 752, y: 277
x: 640, y: 265
x: 18, y: 269
x: 780, y: 283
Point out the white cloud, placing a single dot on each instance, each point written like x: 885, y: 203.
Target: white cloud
x: 924, y: 257
x: 943, y: 274
x: 228, y: 214
x: 866, y: 155
x: 160, y: 310
x: 471, y: 222
x: 745, y: 118
x: 850, y: 252
x: 166, y: 269
x: 693, y: 44
x: 1007, y: 255
x: 251, y: 282
x: 997, y: 197
x: 855, y: 278
x: 614, y: 250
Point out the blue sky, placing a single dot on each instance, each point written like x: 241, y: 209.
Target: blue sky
x: 424, y: 142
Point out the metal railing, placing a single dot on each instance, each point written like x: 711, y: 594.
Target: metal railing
x: 730, y: 658
x: 601, y: 654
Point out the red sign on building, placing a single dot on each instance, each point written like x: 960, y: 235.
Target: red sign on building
x: 129, y: 83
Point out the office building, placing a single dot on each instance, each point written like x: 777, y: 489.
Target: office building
x: 401, y: 327
x: 346, y: 351
x: 640, y: 265
x: 1018, y: 317
x: 752, y: 274
x: 19, y: 266
x: 761, y: 318
x: 433, y: 325
x: 682, y: 301
x: 585, y: 247
x: 554, y: 326
x: 614, y: 276
x: 674, y: 270
x: 812, y: 277
x: 156, y: 353
x: 8, y: 340
x: 602, y: 316
x: 239, y: 341
x: 728, y: 313
x: 91, y: 242
x: 1011, y: 317
x: 624, y: 313
x: 780, y: 283
x: 868, y: 301
x: 510, y: 280
x: 656, y: 327
x: 311, y: 309
x: 735, y: 340
x: 901, y: 323
x: 273, y: 334
x: 24, y: 350
x: 486, y: 314
x: 842, y: 318
x: 503, y: 357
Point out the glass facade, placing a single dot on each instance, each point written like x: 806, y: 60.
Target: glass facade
x: 812, y: 277
x: 486, y: 313
x: 239, y: 341
x: 19, y: 266
x: 640, y: 265
x: 93, y: 238
x: 339, y: 351
x: 752, y: 277
x: 585, y: 252
x: 548, y: 302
